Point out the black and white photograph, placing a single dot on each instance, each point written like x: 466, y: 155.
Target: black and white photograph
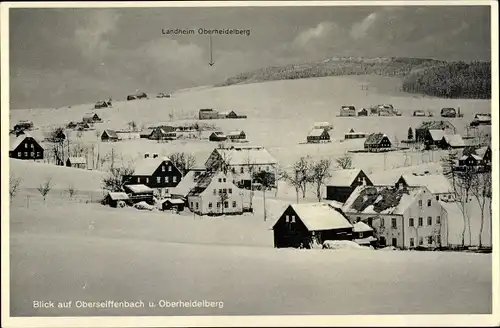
x: 198, y: 160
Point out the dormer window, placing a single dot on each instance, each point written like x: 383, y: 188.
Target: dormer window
x: 169, y: 168
x: 163, y: 168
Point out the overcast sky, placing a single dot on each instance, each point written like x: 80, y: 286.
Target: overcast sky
x: 70, y: 56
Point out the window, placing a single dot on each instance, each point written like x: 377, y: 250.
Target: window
x: 197, y: 205
x: 25, y: 154
x: 421, y: 240
x: 220, y: 191
x: 429, y: 220
x: 32, y: 146
x: 419, y: 203
x: 370, y: 221
x: 163, y: 168
x: 241, y: 170
x: 382, y: 222
x: 191, y: 204
x: 360, y: 235
x: 437, y: 197
x: 210, y: 205
x: 429, y: 203
x: 394, y: 242
x: 412, y: 242
x: 138, y: 180
x: 420, y: 222
x: 224, y: 190
x: 19, y: 154
x: 411, y: 223
x: 158, y: 179
x: 293, y: 218
x: 226, y: 204
x: 287, y: 218
x: 218, y: 204
x: 147, y: 180
x: 26, y: 145
x: 429, y: 240
x: 170, y: 169
x: 215, y: 191
x: 32, y: 154
x: 438, y: 219
x: 174, y: 179
x: 166, y: 179
x: 394, y: 223
x: 358, y: 219
x: 230, y: 190
x: 234, y: 204
x: 220, y: 179
x: 37, y: 154
x: 224, y: 180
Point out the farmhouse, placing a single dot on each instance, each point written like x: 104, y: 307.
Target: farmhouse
x: 236, y: 135
x: 437, y: 184
x: 363, y: 234
x: 208, y: 114
x: 109, y: 135
x: 71, y: 125
x: 172, y: 204
x: 139, y: 193
x: 77, y: 162
x: 91, y: 118
x: 302, y: 225
x: 403, y: 217
x: 163, y: 133
x: 318, y: 135
x: 363, y: 112
x: 24, y: 125
x: 434, y: 138
x: 481, y: 119
x: 215, y: 194
x: 342, y: 183
x: 421, y: 131
x: 113, y: 198
x: 146, y: 133
x: 161, y: 175
x: 418, y: 112
x: 25, y: 146
x: 452, y: 141
x: 476, y: 159
x: 323, y: 125
x: 376, y: 142
x: 217, y: 136
x: 242, y: 161
x: 448, y: 112
x: 354, y: 135
x: 347, y: 111
x: 102, y: 104
x: 127, y: 135
x: 83, y: 126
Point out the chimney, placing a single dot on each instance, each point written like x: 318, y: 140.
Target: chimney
x: 155, y: 155
x: 365, y: 198
x: 146, y: 155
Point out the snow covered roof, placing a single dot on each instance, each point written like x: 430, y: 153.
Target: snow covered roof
x: 482, y: 117
x: 202, y: 183
x: 364, y: 241
x: 77, y: 160
x: 319, y: 216
x: 435, y: 125
x: 336, y: 204
x: 118, y: 195
x: 111, y: 133
x: 235, y: 133
x: 243, y: 155
x: 173, y: 201
x: 316, y: 132
x: 15, y: 142
x: 482, y: 151
x: 454, y: 140
x: 436, y: 183
x: 374, y: 138
x: 343, y: 178
x: 187, y: 183
x: 138, y: 188
x: 322, y: 125
x: 148, y: 166
x: 476, y: 157
x: 362, y: 227
x: 437, y: 135
x: 381, y: 200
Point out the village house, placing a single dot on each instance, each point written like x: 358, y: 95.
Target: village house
x: 318, y: 135
x: 323, y: 125
x: 25, y: 146
x: 77, y: 162
x: 437, y: 184
x: 114, y: 198
x: 137, y: 95
x: 217, y: 136
x: 187, y: 183
x: 403, y: 217
x: 91, y: 118
x: 476, y: 159
x: 158, y: 174
x: 72, y: 125
x: 23, y: 125
x: 451, y: 141
x: 418, y: 112
x: 433, y: 138
x: 83, y: 126
x: 146, y: 133
x: 208, y: 114
x: 363, y: 234
x: 172, y: 204
x: 376, y: 142
x: 236, y: 136
x: 163, y: 132
x: 481, y: 119
x: 342, y: 183
x: 102, y: 104
x: 363, y: 112
x: 448, y: 112
x: 139, y: 193
x: 302, y: 225
x: 241, y: 161
x: 421, y: 132
x: 354, y: 135
x: 347, y: 111
x: 127, y: 134
x: 215, y: 194
x: 109, y: 135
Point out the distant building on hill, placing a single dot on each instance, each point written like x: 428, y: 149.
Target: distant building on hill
x: 24, y: 125
x: 318, y: 135
x: 347, y: 111
x: 422, y: 130
x: 208, y: 114
x: 236, y: 135
x: 91, y: 118
x: 376, y: 142
x: 448, y: 112
x: 323, y: 125
x: 363, y: 112
x: 481, y: 119
x: 355, y: 135
x: 25, y: 146
x: 217, y: 136
x: 109, y: 135
x: 450, y: 141
x: 77, y: 162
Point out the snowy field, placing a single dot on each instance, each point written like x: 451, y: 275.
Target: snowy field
x: 68, y: 249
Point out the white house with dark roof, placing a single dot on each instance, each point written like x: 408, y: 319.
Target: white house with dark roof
x: 301, y: 225
x: 215, y: 194
x: 403, y: 217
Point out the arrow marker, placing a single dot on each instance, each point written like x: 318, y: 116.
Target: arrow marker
x: 211, y: 62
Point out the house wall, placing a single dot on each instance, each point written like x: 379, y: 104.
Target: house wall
x: 382, y: 229
x: 201, y: 203
x: 340, y: 194
x: 208, y: 115
x: 29, y: 149
x: 289, y: 234
x: 162, y: 178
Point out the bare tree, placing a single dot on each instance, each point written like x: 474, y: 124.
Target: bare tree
x: 250, y: 165
x: 320, y: 173
x: 14, y: 184
x: 183, y: 161
x: 481, y: 189
x: 221, y: 163
x: 132, y: 125
x: 97, y: 134
x: 465, y: 181
x: 344, y: 162
x: 293, y: 180
x: 71, y: 190
x: 45, y: 188
x: 303, y: 169
x: 266, y: 179
x: 116, y: 178
x: 79, y: 134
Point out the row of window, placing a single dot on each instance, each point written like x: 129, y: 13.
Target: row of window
x: 290, y: 219
x: 32, y: 154
x: 242, y: 169
x: 26, y: 146
x: 163, y: 168
x: 430, y: 240
x: 429, y: 202
x: 411, y: 221
x: 158, y: 179
x: 210, y: 205
x: 223, y: 191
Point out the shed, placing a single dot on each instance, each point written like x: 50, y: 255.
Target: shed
x: 362, y: 233
x: 112, y: 198
x: 77, y: 162
x: 363, y: 112
x: 172, y: 204
x: 139, y: 192
x: 217, y: 136
x: 109, y: 135
x: 347, y: 111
